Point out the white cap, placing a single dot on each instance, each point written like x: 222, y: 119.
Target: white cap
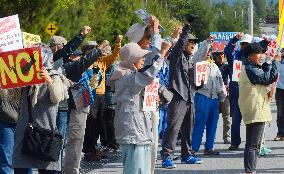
x: 246, y: 38
x: 136, y: 32
x: 132, y: 52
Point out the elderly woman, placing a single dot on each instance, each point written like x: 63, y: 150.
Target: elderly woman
x: 254, y: 100
x: 132, y: 126
x: 44, y: 100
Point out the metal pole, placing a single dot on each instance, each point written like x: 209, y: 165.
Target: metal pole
x: 145, y: 4
x: 250, y: 18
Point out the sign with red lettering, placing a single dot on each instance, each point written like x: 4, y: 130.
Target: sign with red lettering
x: 150, y: 96
x: 236, y: 70
x: 272, y: 49
x: 201, y: 72
x: 10, y: 34
x: 20, y: 68
x: 222, y: 39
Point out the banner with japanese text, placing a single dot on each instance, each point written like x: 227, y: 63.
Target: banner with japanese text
x: 30, y: 40
x: 20, y: 68
x: 201, y: 72
x: 150, y: 96
x: 222, y: 39
x: 10, y: 34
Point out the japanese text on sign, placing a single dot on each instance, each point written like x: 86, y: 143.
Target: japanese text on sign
x: 201, y: 72
x: 150, y: 96
x: 10, y: 34
x: 221, y: 40
x: 272, y: 49
x: 236, y: 70
x: 31, y: 40
x: 20, y: 68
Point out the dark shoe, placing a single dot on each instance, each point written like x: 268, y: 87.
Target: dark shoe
x: 92, y: 156
x: 233, y: 147
x: 210, y: 152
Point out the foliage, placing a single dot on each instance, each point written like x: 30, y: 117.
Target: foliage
x: 108, y: 18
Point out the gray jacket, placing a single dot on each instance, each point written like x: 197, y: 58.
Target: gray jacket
x: 44, y: 115
x: 132, y: 125
x: 215, y: 86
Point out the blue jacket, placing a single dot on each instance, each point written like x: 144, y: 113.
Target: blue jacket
x: 231, y: 56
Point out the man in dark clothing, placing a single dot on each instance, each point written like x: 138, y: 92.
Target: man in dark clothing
x: 179, y: 116
x: 74, y: 70
x: 224, y: 106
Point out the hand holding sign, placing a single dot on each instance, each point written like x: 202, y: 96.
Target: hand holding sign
x: 239, y: 35
x: 44, y: 74
x: 154, y: 22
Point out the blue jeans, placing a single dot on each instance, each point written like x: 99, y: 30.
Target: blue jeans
x: 163, y: 120
x: 136, y: 158
x: 236, y: 122
x: 206, y: 114
x: 6, y: 146
x: 62, y: 122
x: 29, y: 171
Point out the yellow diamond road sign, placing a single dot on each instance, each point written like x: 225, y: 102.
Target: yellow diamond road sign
x: 51, y: 29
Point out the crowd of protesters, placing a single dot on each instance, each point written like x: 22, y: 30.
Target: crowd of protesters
x: 116, y: 81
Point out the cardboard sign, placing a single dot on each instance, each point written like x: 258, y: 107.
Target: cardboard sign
x: 20, y: 68
x: 150, y: 96
x: 222, y: 39
x: 272, y: 49
x: 201, y: 72
x: 236, y: 70
x: 10, y: 34
x: 30, y: 40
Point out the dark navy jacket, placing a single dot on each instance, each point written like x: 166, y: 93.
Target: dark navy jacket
x: 180, y: 74
x: 224, y: 69
x: 231, y: 56
x: 263, y: 75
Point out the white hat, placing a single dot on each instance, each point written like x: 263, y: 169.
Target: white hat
x: 136, y: 32
x: 246, y: 38
x: 132, y: 52
x: 57, y: 40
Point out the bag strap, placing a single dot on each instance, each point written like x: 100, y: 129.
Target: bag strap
x: 29, y: 107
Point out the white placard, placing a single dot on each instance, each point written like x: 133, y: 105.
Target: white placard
x: 236, y: 70
x: 150, y: 96
x: 201, y: 72
x: 10, y: 34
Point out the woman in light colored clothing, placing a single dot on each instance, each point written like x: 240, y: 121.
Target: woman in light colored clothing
x: 254, y: 100
x: 132, y: 125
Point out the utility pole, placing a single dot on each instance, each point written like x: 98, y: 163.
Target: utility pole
x: 250, y: 20
x: 145, y: 4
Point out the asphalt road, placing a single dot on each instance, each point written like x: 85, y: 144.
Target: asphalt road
x: 226, y: 163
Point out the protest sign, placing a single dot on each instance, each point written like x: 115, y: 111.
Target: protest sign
x: 201, y: 72
x: 10, y: 34
x: 150, y: 96
x: 20, y: 68
x: 236, y: 70
x: 222, y: 39
x: 272, y: 49
x: 30, y: 40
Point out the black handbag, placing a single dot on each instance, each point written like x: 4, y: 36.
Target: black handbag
x: 41, y: 143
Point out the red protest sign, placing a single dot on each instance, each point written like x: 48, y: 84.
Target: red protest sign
x: 150, y: 96
x: 20, y: 68
x: 236, y: 70
x: 201, y: 72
